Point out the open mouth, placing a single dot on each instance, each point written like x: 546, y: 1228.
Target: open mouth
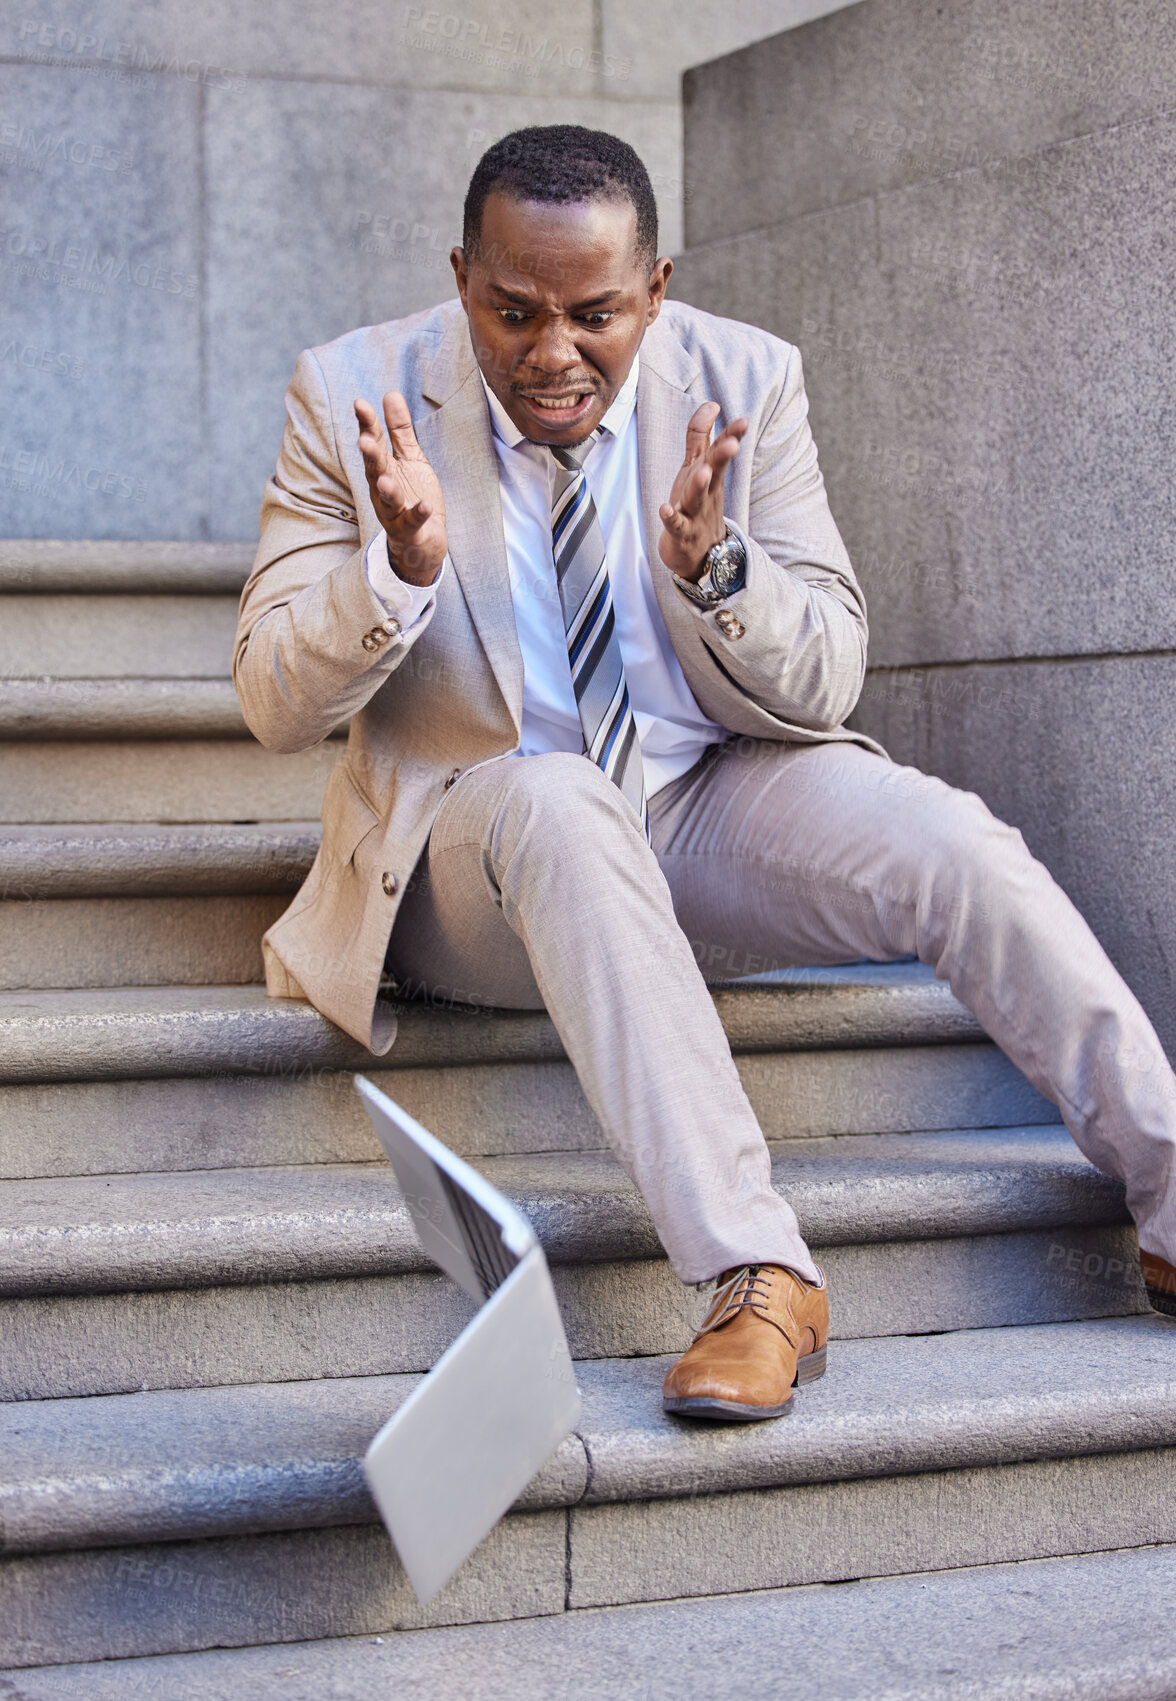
x: 558, y: 409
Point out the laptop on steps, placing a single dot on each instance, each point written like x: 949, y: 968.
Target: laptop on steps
x: 502, y: 1397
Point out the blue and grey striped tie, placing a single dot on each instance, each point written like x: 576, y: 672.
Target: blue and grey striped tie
x: 594, y: 651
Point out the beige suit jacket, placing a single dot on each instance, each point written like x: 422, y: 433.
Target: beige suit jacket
x: 450, y: 693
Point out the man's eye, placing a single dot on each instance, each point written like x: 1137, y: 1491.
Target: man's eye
x: 512, y: 315
x: 597, y: 319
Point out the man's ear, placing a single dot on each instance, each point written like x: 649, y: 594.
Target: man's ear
x: 659, y: 277
x: 457, y: 259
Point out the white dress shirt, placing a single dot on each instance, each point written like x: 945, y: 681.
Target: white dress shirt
x: 672, y: 728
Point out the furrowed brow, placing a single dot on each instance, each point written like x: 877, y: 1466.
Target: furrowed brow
x: 596, y: 301
x: 511, y: 297
x: 515, y: 298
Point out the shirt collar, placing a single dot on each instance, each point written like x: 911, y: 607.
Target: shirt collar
x: 614, y: 421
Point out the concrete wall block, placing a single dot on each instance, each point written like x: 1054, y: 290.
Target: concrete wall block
x: 322, y: 181
x: 224, y: 781
x: 647, y: 47
x: 1077, y: 755
x: 101, y: 257
x: 113, y: 1603
x: 894, y: 92
x: 523, y: 47
x: 105, y: 637
x: 75, y: 942
x: 716, y: 1544
x: 965, y: 358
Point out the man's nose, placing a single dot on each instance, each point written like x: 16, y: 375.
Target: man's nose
x: 554, y: 348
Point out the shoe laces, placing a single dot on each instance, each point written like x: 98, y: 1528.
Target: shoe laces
x: 746, y: 1290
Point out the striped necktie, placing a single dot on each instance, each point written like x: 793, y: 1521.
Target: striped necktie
x: 594, y: 651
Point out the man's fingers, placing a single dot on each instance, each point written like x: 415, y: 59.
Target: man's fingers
x: 400, y: 432
x: 696, y: 488
x: 397, y: 497
x: 371, y: 438
x: 726, y: 445
x: 699, y: 429
x: 369, y: 423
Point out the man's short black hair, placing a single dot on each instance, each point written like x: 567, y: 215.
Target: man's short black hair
x: 561, y: 163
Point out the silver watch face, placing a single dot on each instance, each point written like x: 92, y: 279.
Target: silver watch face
x: 727, y: 563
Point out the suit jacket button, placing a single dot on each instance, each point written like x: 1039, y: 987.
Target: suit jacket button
x: 390, y: 884
x: 730, y: 624
x: 451, y: 778
x: 369, y: 643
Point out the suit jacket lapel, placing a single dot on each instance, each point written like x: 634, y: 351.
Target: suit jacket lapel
x: 455, y: 435
x: 664, y: 406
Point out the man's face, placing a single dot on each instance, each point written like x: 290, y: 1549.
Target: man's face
x: 558, y: 303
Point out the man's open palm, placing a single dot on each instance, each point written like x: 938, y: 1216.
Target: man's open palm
x: 404, y: 489
x: 692, y: 520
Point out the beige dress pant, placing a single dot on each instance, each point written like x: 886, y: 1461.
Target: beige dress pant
x: 539, y: 889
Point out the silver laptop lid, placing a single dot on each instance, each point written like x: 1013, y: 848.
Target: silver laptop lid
x: 465, y: 1443
x: 474, y: 1233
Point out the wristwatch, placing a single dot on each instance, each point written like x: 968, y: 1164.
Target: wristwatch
x: 724, y: 573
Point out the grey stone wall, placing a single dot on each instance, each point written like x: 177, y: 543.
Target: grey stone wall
x: 962, y: 212
x: 190, y: 194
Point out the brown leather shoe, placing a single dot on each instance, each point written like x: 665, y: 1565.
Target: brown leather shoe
x: 764, y: 1335
x: 1159, y: 1278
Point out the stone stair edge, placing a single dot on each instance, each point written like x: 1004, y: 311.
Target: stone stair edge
x: 305, y: 1223
x: 103, y: 1470
x: 1089, y: 1627
x: 137, y: 859
x: 138, y: 1032
x: 50, y: 709
x: 53, y: 709
x: 57, y: 565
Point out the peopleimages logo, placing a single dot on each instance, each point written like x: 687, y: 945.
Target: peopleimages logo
x: 76, y: 265
x: 20, y: 145
x: 34, y: 470
x: 111, y: 56
x: 498, y: 45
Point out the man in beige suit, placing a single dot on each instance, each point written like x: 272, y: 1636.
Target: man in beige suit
x: 596, y: 663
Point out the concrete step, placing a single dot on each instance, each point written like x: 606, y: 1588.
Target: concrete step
x: 193, y: 779
x: 113, y: 637
x: 53, y: 708
x: 65, y: 566
x: 123, y: 1282
x: 116, y: 942
x: 314, y: 1115
x: 136, y: 904
x: 147, y: 859
x: 911, y: 1455
x: 1090, y: 1628
x: 129, y: 1033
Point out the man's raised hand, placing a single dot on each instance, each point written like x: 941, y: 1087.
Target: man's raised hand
x: 404, y: 490
x: 692, y: 520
